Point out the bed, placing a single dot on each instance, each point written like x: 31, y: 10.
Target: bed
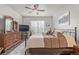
x: 50, y: 45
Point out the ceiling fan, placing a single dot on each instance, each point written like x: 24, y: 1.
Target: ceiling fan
x: 35, y: 8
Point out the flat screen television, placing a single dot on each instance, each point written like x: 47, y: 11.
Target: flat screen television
x: 23, y: 28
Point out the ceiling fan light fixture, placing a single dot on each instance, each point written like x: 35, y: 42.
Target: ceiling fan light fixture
x: 36, y: 6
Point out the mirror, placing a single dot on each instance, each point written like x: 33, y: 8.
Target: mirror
x: 8, y: 25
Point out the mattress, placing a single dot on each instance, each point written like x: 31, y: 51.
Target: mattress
x: 49, y: 41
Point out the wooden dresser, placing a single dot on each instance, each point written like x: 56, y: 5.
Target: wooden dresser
x: 7, y: 40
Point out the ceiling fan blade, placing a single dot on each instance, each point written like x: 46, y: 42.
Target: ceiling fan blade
x: 28, y: 8
x: 40, y: 10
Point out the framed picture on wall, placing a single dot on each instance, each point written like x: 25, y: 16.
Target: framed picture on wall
x: 64, y: 19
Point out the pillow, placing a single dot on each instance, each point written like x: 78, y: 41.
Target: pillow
x: 59, y: 34
x: 50, y: 32
x: 54, y: 34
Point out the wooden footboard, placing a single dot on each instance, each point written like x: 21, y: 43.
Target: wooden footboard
x: 50, y: 51
x: 49, y: 45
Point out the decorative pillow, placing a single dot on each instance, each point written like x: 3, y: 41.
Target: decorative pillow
x: 50, y: 32
x: 59, y: 34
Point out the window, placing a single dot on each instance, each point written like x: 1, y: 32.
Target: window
x: 37, y: 27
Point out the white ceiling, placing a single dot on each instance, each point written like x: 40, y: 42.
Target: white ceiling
x: 51, y: 9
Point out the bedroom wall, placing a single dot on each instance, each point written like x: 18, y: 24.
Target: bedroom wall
x: 48, y: 20
x: 74, y: 17
x: 6, y: 10
x: 1, y: 23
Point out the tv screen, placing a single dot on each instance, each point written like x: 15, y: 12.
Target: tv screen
x: 23, y: 28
